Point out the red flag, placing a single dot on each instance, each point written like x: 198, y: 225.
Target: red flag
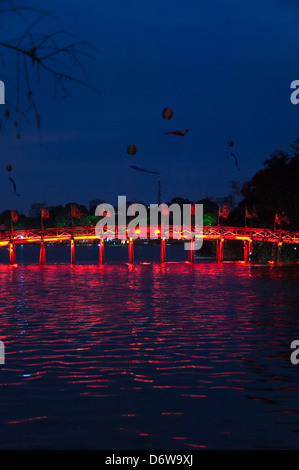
x: 277, y: 219
x: 75, y: 211
x: 225, y: 212
x: 220, y: 213
x: 165, y: 210
x: 14, y: 215
x: 192, y: 208
x: 247, y: 214
x: 45, y: 213
x: 284, y: 218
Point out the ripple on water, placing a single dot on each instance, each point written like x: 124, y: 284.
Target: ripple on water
x: 149, y: 356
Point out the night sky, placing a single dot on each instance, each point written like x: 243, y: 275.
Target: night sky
x: 224, y: 67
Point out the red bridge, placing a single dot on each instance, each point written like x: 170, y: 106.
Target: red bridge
x: 219, y: 234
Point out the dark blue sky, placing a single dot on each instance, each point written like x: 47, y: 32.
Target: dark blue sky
x: 225, y: 68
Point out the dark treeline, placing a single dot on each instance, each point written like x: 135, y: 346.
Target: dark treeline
x: 272, y: 190
x: 60, y: 216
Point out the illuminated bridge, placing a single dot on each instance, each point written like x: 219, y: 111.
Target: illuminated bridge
x: 220, y: 235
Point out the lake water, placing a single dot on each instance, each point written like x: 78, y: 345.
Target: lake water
x: 147, y: 356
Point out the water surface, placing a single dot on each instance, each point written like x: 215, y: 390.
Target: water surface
x: 147, y: 356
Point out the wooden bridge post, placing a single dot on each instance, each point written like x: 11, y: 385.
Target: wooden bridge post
x: 220, y: 250
x: 72, y: 251
x: 279, y: 247
x: 102, y: 252
x: 163, y: 251
x: 191, y: 252
x: 12, y: 253
x: 246, y: 251
x: 42, y: 253
x: 250, y: 247
x: 131, y: 251
x: 274, y: 252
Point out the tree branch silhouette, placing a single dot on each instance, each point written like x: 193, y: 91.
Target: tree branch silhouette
x: 51, y: 52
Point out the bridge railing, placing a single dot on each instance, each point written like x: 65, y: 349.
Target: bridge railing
x: 171, y: 232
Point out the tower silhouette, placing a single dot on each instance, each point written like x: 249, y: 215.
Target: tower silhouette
x: 159, y: 192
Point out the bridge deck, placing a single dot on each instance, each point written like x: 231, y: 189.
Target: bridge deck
x: 174, y: 232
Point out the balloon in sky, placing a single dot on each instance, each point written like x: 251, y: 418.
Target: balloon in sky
x: 8, y: 168
x: 167, y: 113
x: 231, y: 143
x: 132, y: 149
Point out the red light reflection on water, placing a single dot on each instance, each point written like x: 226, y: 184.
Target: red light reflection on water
x: 147, y: 350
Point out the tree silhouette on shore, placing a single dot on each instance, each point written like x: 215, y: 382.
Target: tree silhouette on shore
x: 273, y: 189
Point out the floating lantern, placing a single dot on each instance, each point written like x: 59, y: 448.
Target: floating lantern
x: 132, y: 149
x: 167, y: 113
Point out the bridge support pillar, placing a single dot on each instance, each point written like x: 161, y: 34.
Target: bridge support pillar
x: 279, y: 247
x: 12, y: 253
x: 102, y: 252
x: 191, y: 252
x: 247, y: 250
x: 131, y: 251
x: 72, y: 251
x: 274, y: 252
x: 42, y: 253
x: 220, y: 244
x: 250, y: 247
x: 163, y: 251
